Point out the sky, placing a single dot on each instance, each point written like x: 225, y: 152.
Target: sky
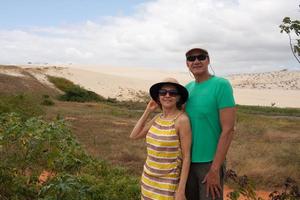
x: 241, y: 36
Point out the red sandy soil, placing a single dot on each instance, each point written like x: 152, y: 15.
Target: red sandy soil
x: 45, y: 175
x: 260, y: 193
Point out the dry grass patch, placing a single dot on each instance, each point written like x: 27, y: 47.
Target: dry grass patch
x: 266, y: 149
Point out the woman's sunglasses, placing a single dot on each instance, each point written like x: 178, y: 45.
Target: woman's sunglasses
x: 199, y: 57
x: 163, y: 92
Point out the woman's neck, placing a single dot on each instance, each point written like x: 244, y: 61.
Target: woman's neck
x: 170, y: 113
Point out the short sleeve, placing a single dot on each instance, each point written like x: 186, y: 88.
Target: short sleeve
x: 225, y: 97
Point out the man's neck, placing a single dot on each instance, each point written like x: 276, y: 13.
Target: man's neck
x: 202, y: 78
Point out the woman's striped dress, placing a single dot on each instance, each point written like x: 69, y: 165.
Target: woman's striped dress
x: 163, y: 164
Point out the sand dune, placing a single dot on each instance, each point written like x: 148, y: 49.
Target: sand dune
x: 281, y: 88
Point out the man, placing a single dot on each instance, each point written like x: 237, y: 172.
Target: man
x: 211, y: 109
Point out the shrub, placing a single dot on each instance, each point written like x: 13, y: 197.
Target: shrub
x: 24, y: 104
x: 47, y: 101
x: 74, y: 92
x: 79, y: 94
x: 61, y: 83
x: 28, y: 147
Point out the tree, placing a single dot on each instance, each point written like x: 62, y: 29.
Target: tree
x: 292, y: 26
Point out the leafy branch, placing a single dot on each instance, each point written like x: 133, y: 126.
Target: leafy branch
x: 292, y: 26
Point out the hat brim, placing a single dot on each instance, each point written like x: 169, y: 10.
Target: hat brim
x: 196, y: 49
x: 181, y: 90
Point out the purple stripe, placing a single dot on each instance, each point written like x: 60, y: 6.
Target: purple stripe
x: 159, y: 171
x: 145, y: 198
x: 162, y: 160
x: 162, y: 180
x: 162, y: 137
x: 165, y: 149
x: 155, y: 124
x: 158, y: 191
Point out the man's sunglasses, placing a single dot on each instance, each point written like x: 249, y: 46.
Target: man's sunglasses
x: 199, y: 57
x: 163, y: 92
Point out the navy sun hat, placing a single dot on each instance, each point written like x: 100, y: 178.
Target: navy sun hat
x: 169, y: 81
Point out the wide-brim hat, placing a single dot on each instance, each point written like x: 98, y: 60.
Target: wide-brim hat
x: 169, y: 81
x: 196, y: 49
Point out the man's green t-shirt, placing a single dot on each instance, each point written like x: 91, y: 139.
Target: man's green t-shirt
x: 205, y: 101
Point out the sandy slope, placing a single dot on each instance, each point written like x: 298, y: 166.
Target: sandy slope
x: 280, y: 88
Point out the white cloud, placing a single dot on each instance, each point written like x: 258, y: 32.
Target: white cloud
x: 241, y: 36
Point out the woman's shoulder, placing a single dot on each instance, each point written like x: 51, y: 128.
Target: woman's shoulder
x: 183, y: 118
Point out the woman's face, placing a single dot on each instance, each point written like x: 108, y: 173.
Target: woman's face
x: 168, y: 96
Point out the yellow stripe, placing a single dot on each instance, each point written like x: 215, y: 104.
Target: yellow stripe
x: 168, y: 132
x: 153, y: 195
x: 164, y: 122
x: 161, y: 154
x: 159, y: 185
x: 173, y: 175
x: 164, y: 166
x: 163, y: 143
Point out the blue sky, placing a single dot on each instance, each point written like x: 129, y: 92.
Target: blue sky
x: 29, y: 13
x: 240, y: 35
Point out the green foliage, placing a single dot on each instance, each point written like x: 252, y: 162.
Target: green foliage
x: 29, y: 147
x: 61, y: 83
x: 291, y: 191
x: 74, y: 92
x: 23, y: 104
x: 244, y: 187
x: 292, y: 26
x: 79, y: 94
x: 47, y: 101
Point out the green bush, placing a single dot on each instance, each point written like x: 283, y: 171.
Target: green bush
x: 79, y: 94
x: 74, y: 92
x: 28, y: 147
x: 47, y: 101
x: 61, y: 83
x: 24, y: 104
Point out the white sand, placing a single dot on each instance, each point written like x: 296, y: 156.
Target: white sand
x: 280, y: 89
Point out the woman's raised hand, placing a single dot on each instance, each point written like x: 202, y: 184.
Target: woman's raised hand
x: 152, y: 105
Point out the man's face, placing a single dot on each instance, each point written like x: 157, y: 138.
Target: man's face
x: 197, y: 62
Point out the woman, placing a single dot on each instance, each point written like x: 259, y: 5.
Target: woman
x: 168, y: 138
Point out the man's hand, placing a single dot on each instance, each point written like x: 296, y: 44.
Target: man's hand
x: 213, y: 186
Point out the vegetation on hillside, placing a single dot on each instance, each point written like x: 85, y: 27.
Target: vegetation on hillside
x: 30, y: 147
x: 74, y: 92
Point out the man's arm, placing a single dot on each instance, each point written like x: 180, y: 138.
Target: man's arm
x: 212, y: 179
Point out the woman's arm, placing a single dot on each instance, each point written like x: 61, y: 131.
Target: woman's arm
x: 141, y: 128
x: 185, y: 135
